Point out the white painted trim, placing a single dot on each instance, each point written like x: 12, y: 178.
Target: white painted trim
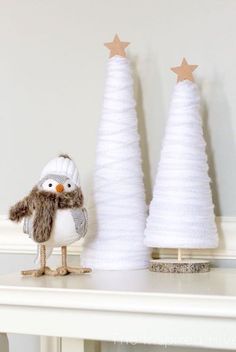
x: 50, y: 344
x: 60, y: 344
x: 72, y: 345
x: 12, y: 240
x: 183, y: 310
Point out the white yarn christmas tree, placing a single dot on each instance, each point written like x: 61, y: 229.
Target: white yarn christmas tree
x: 181, y: 212
x: 119, y: 189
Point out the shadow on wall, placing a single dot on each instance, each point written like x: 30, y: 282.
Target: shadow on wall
x: 4, y: 346
x: 149, y: 74
x: 143, y: 134
x: 217, y: 106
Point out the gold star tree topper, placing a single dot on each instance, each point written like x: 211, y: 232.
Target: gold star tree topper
x: 184, y: 71
x: 117, y: 47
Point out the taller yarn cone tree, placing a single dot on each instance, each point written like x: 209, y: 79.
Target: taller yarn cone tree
x: 181, y: 212
x: 118, y: 190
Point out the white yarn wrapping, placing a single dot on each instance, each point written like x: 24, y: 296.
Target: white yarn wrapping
x: 119, y: 190
x: 181, y: 212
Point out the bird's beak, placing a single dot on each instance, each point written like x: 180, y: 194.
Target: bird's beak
x: 59, y: 188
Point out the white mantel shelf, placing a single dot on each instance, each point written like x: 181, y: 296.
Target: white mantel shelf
x: 126, y: 306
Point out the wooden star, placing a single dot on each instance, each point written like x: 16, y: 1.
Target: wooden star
x: 117, y: 47
x: 184, y: 71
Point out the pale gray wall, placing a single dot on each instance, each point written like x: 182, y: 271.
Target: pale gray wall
x: 51, y: 79
x: 52, y: 72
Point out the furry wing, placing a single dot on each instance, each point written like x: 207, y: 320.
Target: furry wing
x: 28, y: 229
x: 80, y: 216
x: 21, y: 209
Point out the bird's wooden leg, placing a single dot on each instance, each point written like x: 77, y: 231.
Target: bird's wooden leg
x: 43, y: 270
x: 78, y: 271
x: 65, y: 269
x: 62, y: 270
x: 47, y: 270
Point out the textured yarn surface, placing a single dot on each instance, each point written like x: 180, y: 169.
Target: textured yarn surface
x: 118, y: 186
x: 181, y: 211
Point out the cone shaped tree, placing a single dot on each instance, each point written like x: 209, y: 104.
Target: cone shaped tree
x: 181, y: 212
x: 118, y: 187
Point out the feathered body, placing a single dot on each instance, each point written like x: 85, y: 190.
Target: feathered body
x: 53, y: 212
x: 64, y: 231
x: 53, y: 219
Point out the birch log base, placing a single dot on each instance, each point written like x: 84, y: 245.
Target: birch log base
x: 181, y: 267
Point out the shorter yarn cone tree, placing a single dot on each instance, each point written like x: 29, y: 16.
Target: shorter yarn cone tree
x: 181, y: 212
x: 118, y: 185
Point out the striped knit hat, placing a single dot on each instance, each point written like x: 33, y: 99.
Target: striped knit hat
x: 63, y: 166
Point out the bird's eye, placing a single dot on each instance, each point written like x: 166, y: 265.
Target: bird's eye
x: 50, y: 185
x: 69, y: 185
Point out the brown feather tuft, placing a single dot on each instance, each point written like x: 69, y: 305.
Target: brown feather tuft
x: 44, y: 206
x: 66, y: 156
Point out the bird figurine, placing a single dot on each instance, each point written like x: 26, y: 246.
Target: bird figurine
x: 54, y: 215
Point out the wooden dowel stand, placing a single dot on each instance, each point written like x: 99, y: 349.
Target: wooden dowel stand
x: 179, y: 255
x: 180, y: 265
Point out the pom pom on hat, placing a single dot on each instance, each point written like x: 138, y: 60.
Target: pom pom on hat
x: 64, y: 166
